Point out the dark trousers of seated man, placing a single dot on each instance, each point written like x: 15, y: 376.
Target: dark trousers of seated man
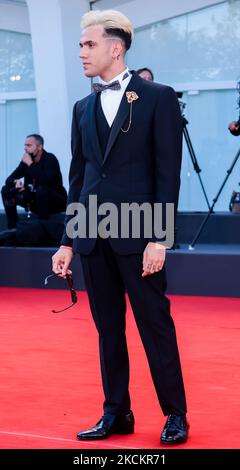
x: 43, y: 201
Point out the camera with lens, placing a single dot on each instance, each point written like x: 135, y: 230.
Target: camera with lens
x: 13, y: 191
x: 182, y: 104
x: 29, y: 188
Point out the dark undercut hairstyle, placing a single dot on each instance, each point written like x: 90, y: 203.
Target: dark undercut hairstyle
x: 38, y: 138
x: 120, y: 34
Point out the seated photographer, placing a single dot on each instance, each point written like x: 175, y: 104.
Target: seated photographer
x: 234, y: 127
x: 42, y: 191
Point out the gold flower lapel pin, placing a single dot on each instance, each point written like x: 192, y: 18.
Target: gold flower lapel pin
x: 131, y: 97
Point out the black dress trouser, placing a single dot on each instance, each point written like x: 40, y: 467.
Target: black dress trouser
x: 107, y: 274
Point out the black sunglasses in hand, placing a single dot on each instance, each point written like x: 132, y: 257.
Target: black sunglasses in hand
x: 70, y: 285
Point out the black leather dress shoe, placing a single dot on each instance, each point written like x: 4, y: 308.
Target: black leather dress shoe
x: 175, y: 430
x: 109, y: 424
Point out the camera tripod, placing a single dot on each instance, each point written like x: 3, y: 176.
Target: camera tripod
x: 229, y: 171
x: 191, y: 150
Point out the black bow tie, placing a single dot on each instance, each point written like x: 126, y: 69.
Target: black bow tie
x: 98, y: 87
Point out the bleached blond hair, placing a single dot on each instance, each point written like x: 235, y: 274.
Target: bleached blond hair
x: 113, y: 22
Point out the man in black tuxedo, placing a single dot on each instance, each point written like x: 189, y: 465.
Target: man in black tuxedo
x: 126, y: 147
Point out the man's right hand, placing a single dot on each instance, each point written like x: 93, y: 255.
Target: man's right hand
x: 27, y: 159
x: 19, y: 185
x: 61, y: 261
x: 234, y: 128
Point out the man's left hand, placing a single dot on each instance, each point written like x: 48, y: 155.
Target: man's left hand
x: 153, y: 258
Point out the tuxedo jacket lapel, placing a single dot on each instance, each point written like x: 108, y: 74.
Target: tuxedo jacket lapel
x: 91, y: 120
x: 122, y: 114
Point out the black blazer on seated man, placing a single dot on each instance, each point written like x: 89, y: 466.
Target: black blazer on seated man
x: 141, y: 165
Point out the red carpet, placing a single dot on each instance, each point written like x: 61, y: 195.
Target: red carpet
x: 50, y: 382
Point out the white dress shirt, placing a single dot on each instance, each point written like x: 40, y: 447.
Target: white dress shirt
x: 111, y: 99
